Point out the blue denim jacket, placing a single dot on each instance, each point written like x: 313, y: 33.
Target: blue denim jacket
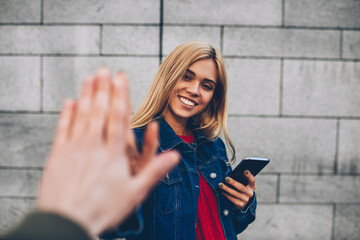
x: 170, y: 210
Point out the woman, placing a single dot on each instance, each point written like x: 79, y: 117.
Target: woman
x: 188, y: 99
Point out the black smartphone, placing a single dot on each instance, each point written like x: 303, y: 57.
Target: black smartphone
x: 254, y: 165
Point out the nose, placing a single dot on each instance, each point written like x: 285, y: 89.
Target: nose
x: 193, y: 88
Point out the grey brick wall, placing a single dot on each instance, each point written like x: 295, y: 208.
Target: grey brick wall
x: 294, y: 94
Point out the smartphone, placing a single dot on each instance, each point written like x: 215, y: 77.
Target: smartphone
x: 254, y: 165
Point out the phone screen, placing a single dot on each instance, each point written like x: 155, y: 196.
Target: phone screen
x: 254, y: 165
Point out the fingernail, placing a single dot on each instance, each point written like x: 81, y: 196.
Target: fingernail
x: 104, y: 71
x: 246, y: 172
x: 227, y: 179
x: 117, y: 82
x: 220, y: 185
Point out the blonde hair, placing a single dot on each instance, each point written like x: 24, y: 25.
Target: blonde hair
x: 212, y: 120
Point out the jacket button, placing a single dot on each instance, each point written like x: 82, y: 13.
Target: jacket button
x: 226, y: 212
x: 213, y: 175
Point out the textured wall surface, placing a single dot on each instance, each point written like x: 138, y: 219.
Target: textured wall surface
x: 294, y: 93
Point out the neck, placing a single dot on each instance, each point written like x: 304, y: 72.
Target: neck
x: 177, y: 124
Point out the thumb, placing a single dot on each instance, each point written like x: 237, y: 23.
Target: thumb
x: 155, y: 169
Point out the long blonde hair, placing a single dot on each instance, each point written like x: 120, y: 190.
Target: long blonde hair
x: 212, y: 120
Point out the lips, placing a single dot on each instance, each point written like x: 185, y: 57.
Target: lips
x: 187, y: 102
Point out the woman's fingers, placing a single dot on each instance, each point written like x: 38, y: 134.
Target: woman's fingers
x: 240, y: 187
x: 241, y: 193
x: 251, y: 178
x: 237, y: 202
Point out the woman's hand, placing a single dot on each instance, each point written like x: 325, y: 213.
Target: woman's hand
x: 241, y: 196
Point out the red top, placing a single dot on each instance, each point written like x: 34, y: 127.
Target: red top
x: 208, y: 225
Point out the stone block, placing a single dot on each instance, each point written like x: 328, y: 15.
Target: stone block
x: 12, y: 211
x: 63, y: 76
x: 253, y: 86
x: 290, y: 222
x: 351, y: 44
x: 49, y: 39
x: 244, y: 12
x: 266, y: 187
x: 98, y: 11
x: 347, y: 222
x: 320, y: 189
x: 321, y: 88
x: 20, y: 83
x: 176, y: 35
x: 349, y: 146
x: 20, y: 11
x: 19, y: 183
x: 322, y: 13
x: 281, y: 42
x: 293, y: 145
x: 25, y: 139
x: 130, y: 40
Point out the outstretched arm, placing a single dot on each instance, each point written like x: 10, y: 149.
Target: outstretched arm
x: 88, y: 176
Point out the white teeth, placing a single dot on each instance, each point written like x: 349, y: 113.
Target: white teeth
x: 187, y: 102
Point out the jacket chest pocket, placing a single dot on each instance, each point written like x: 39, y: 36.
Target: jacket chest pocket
x: 168, y: 193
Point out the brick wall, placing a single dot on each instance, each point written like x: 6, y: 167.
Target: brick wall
x: 294, y: 93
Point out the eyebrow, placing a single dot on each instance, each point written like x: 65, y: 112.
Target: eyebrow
x: 206, y: 79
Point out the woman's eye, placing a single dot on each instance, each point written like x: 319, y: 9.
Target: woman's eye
x: 207, y: 87
x: 187, y: 77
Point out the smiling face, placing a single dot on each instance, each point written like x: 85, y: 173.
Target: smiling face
x: 193, y: 92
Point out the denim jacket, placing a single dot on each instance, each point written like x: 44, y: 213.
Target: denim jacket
x: 169, y: 211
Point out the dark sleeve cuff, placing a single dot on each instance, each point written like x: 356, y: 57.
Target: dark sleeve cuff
x: 251, y: 206
x: 43, y: 226
x: 132, y: 226
x: 242, y: 218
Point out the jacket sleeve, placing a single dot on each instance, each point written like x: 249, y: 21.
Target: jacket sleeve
x: 242, y: 218
x: 132, y: 226
x: 43, y: 226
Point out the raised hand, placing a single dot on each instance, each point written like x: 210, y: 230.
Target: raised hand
x: 88, y: 176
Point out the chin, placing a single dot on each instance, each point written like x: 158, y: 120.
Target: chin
x: 189, y: 114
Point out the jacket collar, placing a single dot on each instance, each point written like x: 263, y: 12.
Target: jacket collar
x: 169, y: 139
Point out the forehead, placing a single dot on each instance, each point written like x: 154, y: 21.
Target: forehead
x: 204, y: 69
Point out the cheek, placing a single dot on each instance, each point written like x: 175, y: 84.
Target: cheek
x: 180, y: 86
x: 207, y: 99
x: 174, y: 95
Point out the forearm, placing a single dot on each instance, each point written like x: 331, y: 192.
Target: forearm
x: 43, y: 226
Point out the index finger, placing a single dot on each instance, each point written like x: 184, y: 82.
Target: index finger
x: 251, y: 179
